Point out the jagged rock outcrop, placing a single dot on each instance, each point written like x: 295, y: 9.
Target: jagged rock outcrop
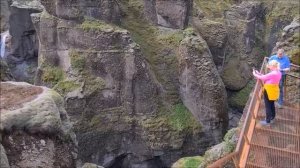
x: 5, y: 74
x: 245, y: 27
x: 215, y: 34
x: 35, y: 128
x: 112, y: 96
x: 168, y: 13
x: 201, y: 87
x: 289, y: 41
x: 106, y: 10
x: 22, y: 55
x: 107, y: 85
x: 4, y: 15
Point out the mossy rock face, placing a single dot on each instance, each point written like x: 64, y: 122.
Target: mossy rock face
x: 52, y: 75
x: 96, y: 25
x: 63, y: 87
x: 188, y: 162
x: 5, y: 74
x: 235, y: 75
x: 220, y: 150
x: 170, y: 128
x: 211, y: 9
x: 182, y: 119
x: 279, y: 14
x: 77, y: 60
x: 239, y: 98
x: 295, y: 56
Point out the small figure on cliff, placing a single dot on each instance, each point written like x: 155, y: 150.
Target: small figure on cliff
x: 271, y: 89
x: 284, y: 62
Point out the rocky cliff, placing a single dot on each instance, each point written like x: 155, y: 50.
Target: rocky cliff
x: 113, y: 96
x: 146, y: 82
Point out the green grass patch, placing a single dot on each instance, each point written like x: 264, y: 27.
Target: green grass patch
x: 66, y: 86
x: 193, y: 162
x: 173, y: 39
x: 229, y: 144
x: 182, y: 119
x: 188, y: 162
x: 52, y: 75
x: 77, y: 60
x: 213, y: 8
x: 96, y: 25
x: 93, y: 84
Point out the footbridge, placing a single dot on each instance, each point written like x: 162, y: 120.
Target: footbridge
x: 274, y: 146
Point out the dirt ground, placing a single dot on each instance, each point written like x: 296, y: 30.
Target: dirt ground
x: 13, y: 96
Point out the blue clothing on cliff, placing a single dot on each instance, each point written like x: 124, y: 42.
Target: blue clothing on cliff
x: 284, y: 62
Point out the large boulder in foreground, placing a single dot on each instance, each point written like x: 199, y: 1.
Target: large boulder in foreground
x: 35, y: 127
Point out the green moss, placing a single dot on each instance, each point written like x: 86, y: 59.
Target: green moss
x: 66, y: 86
x: 173, y: 39
x: 213, y: 8
x: 93, y: 84
x: 189, y: 31
x: 239, y: 99
x: 182, y: 119
x: 97, y: 25
x: 193, y: 162
x: 229, y: 144
x: 52, y: 75
x: 280, y: 11
x: 188, y: 162
x: 77, y: 60
x: 295, y: 56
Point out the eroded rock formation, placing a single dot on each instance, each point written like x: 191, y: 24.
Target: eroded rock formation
x: 201, y: 87
x: 170, y: 13
x: 35, y: 128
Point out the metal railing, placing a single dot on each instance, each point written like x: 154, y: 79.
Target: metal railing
x: 240, y: 155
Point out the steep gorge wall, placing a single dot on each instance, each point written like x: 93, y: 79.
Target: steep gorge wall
x: 113, y: 96
x: 119, y: 92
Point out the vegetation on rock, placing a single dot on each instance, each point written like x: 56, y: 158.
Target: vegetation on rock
x: 238, y: 99
x: 66, y: 86
x: 97, y: 25
x: 52, y: 75
x: 77, y: 60
x: 188, y: 162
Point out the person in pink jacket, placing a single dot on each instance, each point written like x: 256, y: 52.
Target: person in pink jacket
x: 271, y: 89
